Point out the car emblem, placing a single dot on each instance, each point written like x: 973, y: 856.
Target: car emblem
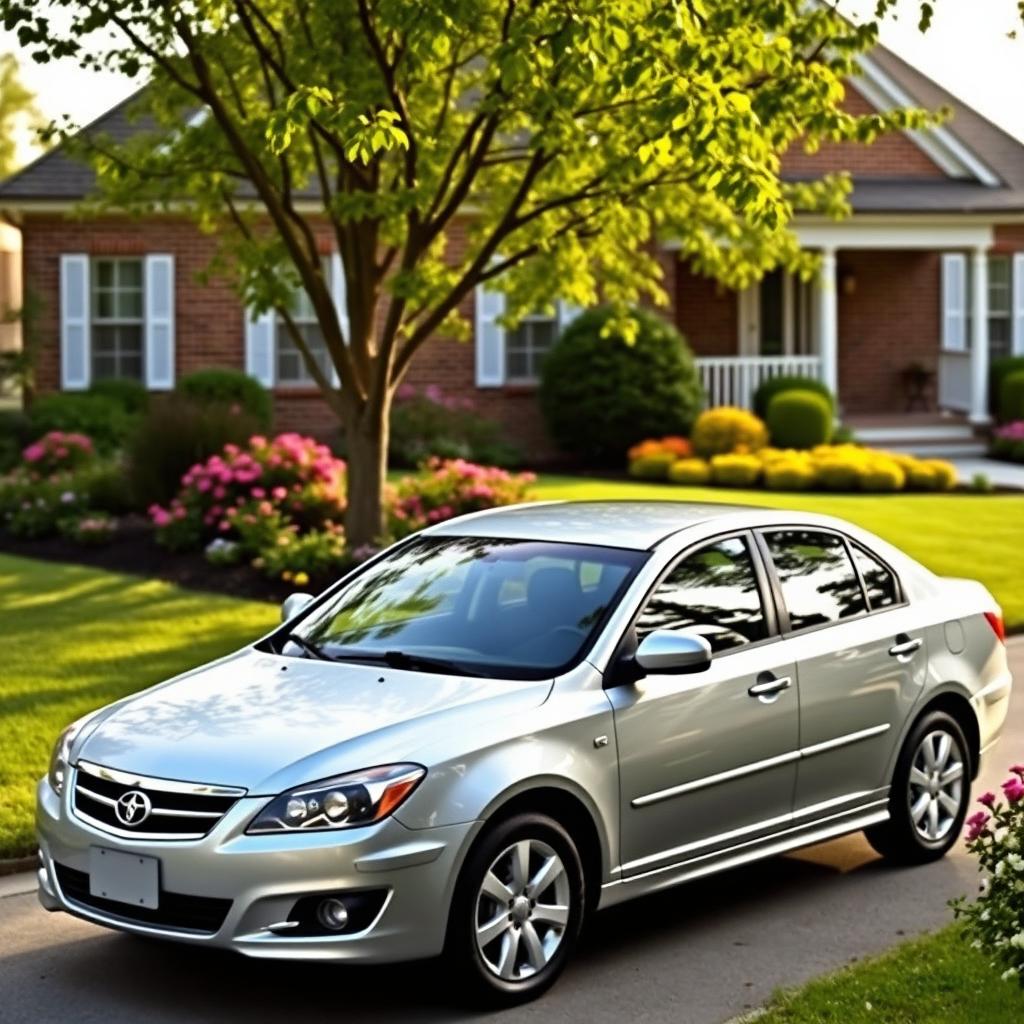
x: 133, y: 808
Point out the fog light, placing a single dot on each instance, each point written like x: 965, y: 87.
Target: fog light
x: 332, y: 914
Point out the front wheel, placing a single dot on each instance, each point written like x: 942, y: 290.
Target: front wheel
x: 517, y: 911
x: 931, y: 788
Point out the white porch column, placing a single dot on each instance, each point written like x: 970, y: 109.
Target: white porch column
x: 828, y: 321
x: 979, y: 335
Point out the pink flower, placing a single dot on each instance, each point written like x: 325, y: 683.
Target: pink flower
x: 987, y: 799
x: 34, y: 452
x: 1013, y: 789
x: 976, y: 825
x: 203, y: 485
x: 279, y: 493
x: 220, y: 493
x: 161, y: 517
x: 1018, y: 769
x: 258, y: 492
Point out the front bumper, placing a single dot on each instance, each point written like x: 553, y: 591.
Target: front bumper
x: 263, y: 877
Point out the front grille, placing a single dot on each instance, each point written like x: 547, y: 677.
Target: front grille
x: 159, y: 808
x: 200, y: 914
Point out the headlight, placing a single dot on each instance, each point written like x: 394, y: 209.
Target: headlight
x: 60, y: 759
x: 346, y: 801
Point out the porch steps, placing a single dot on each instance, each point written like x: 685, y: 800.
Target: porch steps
x: 938, y: 437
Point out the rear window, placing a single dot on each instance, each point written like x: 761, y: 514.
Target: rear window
x: 880, y: 582
x: 819, y: 584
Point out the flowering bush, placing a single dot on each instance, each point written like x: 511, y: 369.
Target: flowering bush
x: 296, y: 557
x: 452, y: 487
x: 1008, y: 441
x: 726, y: 430
x: 57, y: 452
x: 432, y: 423
x: 88, y: 528
x: 995, y: 920
x: 251, y: 493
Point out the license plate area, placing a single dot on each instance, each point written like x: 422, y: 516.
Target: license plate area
x: 124, y: 877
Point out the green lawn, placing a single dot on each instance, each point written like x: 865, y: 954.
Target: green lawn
x: 935, y: 980
x: 75, y: 639
x: 981, y: 536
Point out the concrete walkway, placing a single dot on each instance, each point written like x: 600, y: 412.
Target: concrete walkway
x: 1001, y: 474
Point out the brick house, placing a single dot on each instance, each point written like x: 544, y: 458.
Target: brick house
x: 929, y: 271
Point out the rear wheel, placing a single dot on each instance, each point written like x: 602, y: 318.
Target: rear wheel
x: 517, y: 911
x: 931, y: 788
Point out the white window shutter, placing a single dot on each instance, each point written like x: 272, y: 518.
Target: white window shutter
x: 159, y: 329
x: 75, y: 361
x: 1017, y: 303
x: 567, y: 312
x: 340, y: 292
x: 259, y: 346
x: 490, y: 339
x: 954, y: 302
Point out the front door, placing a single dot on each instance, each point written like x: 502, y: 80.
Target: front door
x: 704, y: 762
x: 861, y: 661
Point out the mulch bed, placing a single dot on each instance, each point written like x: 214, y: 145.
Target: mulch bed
x: 134, y: 550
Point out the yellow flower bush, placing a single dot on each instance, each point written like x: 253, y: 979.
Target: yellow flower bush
x: 736, y: 470
x: 693, y: 472
x: 727, y: 430
x: 789, y: 471
x: 652, y: 467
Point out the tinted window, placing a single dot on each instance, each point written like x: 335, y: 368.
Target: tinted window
x: 819, y: 584
x: 879, y: 582
x: 712, y: 592
x: 517, y: 609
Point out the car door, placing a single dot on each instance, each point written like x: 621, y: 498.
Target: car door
x: 861, y: 662
x: 707, y: 760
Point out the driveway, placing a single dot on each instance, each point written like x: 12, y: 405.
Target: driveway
x: 699, y: 954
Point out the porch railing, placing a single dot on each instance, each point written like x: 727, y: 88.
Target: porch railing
x: 732, y: 380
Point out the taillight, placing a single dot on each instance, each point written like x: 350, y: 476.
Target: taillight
x: 995, y: 620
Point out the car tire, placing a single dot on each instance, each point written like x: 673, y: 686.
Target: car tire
x: 530, y: 937
x: 930, y: 793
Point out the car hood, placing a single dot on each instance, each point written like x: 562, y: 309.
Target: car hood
x: 266, y: 722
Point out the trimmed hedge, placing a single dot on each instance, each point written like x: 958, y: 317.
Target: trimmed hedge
x: 600, y: 395
x: 726, y: 429
x: 1011, y: 397
x: 100, y: 417
x: 799, y: 419
x: 226, y: 388
x: 999, y: 370
x: 131, y: 395
x: 768, y: 389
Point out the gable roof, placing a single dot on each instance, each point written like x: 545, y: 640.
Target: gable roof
x: 984, y: 164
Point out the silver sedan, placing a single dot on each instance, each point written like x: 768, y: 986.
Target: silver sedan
x: 514, y: 719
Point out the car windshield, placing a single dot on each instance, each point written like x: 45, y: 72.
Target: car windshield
x: 483, y: 606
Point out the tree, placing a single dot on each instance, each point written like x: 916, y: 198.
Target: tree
x: 17, y: 104
x: 447, y: 145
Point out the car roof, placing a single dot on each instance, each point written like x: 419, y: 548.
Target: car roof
x: 638, y: 525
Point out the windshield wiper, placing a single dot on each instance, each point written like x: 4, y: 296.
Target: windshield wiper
x: 400, y: 659
x: 312, y: 649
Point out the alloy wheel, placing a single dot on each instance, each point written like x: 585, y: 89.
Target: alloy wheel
x: 936, y: 785
x: 522, y: 910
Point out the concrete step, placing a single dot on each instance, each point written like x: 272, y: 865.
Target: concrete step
x: 946, y: 432
x: 967, y: 450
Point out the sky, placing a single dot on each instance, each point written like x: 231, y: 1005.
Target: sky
x: 967, y: 50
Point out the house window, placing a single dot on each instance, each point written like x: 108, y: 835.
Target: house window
x: 117, y: 318
x: 527, y: 345
x: 777, y: 316
x: 291, y: 366
x: 1000, y: 290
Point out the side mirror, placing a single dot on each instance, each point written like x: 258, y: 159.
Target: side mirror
x: 665, y: 651
x: 293, y: 604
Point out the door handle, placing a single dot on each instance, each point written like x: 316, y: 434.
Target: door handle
x: 903, y: 648
x: 768, y: 689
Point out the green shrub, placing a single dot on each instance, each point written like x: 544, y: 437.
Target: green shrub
x: 690, y: 472
x: 799, y: 419
x: 1011, y: 397
x: 99, y: 417
x: 727, y: 429
x: 735, y: 470
x: 789, y: 474
x: 768, y: 389
x: 881, y: 476
x: 999, y: 370
x: 600, y: 395
x: 174, y: 435
x: 227, y: 388
x: 652, y: 467
x: 429, y: 423
x: 105, y: 487
x: 130, y: 394
x: 15, y: 434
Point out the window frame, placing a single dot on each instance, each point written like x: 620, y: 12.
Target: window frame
x: 773, y: 633
x: 785, y: 625
x: 555, y: 319
x: 116, y: 321
x: 280, y: 333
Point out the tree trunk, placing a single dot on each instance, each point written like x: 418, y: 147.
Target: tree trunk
x: 367, y: 446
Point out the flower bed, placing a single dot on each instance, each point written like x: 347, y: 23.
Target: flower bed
x: 1008, y: 442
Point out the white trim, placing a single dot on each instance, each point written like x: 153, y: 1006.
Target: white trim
x: 979, y: 336
x: 158, y: 328
x: 488, y: 338
x: 948, y: 152
x: 953, y: 302
x: 895, y: 234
